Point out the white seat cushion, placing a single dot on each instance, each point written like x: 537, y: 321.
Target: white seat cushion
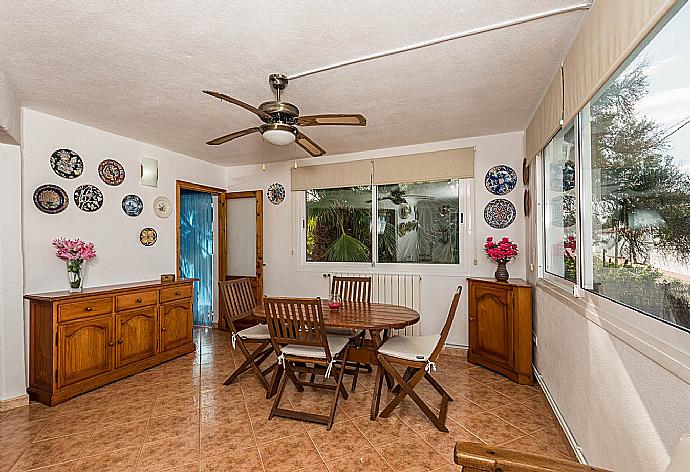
x: 411, y: 348
x: 259, y: 331
x: 350, y: 333
x: 335, y: 345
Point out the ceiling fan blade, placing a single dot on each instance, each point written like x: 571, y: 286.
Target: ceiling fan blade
x: 262, y: 114
x: 308, y: 145
x: 334, y: 119
x: 231, y: 136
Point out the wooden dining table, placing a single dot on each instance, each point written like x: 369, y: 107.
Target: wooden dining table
x: 376, y: 318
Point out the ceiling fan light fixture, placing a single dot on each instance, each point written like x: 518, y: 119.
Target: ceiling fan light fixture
x: 278, y: 133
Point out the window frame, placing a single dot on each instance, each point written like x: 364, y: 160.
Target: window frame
x: 465, y: 242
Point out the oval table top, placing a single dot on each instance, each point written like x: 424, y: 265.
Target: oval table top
x: 369, y: 316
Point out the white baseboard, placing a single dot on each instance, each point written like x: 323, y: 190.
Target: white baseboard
x: 561, y: 420
x: 12, y: 403
x: 457, y: 346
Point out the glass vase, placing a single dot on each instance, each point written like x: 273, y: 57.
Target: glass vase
x: 75, y: 275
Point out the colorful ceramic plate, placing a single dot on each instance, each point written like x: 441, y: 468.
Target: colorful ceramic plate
x: 66, y: 163
x: 276, y: 193
x: 500, y: 180
x: 50, y: 199
x: 111, y: 172
x: 148, y: 236
x: 132, y: 205
x: 88, y: 198
x: 499, y: 213
x: 563, y: 211
x: 162, y: 207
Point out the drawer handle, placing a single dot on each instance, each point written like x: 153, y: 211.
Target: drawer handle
x: 88, y: 308
x: 471, y: 318
x: 139, y: 300
x: 178, y: 293
x: 120, y: 341
x: 164, y: 328
x: 111, y: 343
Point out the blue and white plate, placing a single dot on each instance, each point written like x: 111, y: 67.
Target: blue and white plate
x: 88, y: 198
x: 499, y: 213
x: 132, y: 205
x: 500, y: 180
x: 50, y: 199
x: 66, y: 163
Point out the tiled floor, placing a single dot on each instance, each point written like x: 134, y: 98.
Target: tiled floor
x: 180, y: 417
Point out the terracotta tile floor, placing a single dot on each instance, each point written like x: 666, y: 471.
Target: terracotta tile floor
x: 180, y: 417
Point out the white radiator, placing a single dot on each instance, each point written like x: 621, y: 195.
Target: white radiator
x: 395, y: 289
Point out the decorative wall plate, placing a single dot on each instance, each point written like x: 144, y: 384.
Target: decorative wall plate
x: 500, y: 180
x: 66, y: 163
x: 276, y: 193
x: 88, y: 198
x: 563, y: 211
x: 162, y: 207
x: 111, y: 172
x: 525, y: 172
x: 50, y: 199
x: 526, y: 202
x: 148, y: 236
x: 132, y: 205
x: 499, y: 213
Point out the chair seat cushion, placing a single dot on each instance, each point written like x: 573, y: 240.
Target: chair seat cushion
x: 259, y: 331
x: 411, y: 348
x: 335, y: 345
x: 350, y: 333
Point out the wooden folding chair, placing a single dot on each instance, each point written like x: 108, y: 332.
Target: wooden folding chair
x: 299, y: 338
x: 418, y: 354
x: 238, y: 298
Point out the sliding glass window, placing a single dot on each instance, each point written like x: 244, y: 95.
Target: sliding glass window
x: 636, y: 179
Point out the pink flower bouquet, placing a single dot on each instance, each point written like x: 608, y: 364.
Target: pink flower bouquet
x: 74, y: 252
x: 502, y: 252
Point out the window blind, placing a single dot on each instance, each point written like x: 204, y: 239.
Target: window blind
x: 438, y: 165
x: 547, y: 119
x: 342, y: 174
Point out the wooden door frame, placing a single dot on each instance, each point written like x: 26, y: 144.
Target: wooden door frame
x: 221, y: 223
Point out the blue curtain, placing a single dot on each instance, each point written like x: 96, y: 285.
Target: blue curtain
x: 196, y: 250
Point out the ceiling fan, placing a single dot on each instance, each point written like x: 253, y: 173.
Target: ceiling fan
x: 281, y: 120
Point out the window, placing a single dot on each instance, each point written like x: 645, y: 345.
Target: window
x: 415, y: 223
x: 338, y: 225
x: 560, y: 203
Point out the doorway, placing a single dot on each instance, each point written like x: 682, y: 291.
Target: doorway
x: 200, y: 227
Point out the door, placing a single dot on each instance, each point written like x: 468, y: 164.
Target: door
x: 85, y: 349
x: 244, y: 241
x: 137, y: 336
x: 491, y: 324
x: 175, y: 324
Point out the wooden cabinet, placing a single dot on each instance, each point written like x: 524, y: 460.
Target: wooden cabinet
x: 500, y: 327
x: 81, y: 341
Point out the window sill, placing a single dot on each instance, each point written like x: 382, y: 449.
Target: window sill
x: 667, y: 346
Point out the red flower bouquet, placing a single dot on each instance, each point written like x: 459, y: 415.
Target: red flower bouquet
x: 502, y: 252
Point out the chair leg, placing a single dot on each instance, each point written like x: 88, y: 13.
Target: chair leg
x: 338, y: 389
x: 376, y: 400
x: 408, y: 374
x: 251, y: 361
x: 434, y: 383
x: 281, y: 389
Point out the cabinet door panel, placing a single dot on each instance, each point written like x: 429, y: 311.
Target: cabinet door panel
x: 137, y: 336
x: 85, y: 349
x: 491, y: 325
x: 176, y: 324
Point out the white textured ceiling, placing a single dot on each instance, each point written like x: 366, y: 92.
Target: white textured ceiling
x: 137, y: 68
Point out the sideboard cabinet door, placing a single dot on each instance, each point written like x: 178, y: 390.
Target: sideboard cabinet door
x: 85, y: 349
x: 137, y: 335
x: 491, y: 324
x: 176, y: 324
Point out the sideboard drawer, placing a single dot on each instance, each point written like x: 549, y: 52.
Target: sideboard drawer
x: 81, y: 309
x: 135, y: 300
x: 170, y: 294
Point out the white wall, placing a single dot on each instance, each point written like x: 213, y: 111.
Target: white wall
x: 9, y: 111
x: 12, y: 379
x: 282, y: 273
x: 121, y: 257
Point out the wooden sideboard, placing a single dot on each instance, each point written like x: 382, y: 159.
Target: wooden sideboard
x: 81, y: 341
x: 500, y: 327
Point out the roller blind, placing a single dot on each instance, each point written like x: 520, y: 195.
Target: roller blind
x: 343, y: 174
x: 613, y: 29
x: 547, y: 119
x: 447, y: 164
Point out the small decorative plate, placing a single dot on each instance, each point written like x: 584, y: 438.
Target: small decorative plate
x: 50, y: 199
x: 500, y: 180
x: 563, y: 211
x: 88, y: 198
x: 111, y: 172
x: 66, y: 163
x: 276, y: 193
x: 148, y: 236
x: 525, y: 172
x: 132, y: 205
x: 499, y: 213
x: 162, y: 207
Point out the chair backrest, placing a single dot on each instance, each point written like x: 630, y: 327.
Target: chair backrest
x: 238, y: 299
x: 352, y: 289
x: 447, y: 324
x: 296, y: 321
